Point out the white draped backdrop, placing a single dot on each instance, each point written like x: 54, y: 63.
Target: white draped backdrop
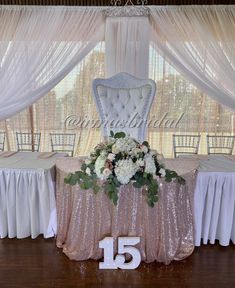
x: 200, y: 41
x: 39, y: 46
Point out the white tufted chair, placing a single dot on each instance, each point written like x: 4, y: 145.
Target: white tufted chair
x: 123, y: 102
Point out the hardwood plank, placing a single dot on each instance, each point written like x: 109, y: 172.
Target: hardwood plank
x: 38, y: 263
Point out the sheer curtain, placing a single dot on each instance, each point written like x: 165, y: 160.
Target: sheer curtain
x: 39, y: 46
x: 127, y: 45
x: 199, y: 41
x: 68, y: 108
x: 181, y: 108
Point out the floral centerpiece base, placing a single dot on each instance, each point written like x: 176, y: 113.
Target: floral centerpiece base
x: 120, y: 161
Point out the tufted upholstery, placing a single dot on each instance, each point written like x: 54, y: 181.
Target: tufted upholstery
x: 123, y: 102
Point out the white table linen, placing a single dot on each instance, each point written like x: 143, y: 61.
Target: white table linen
x: 27, y: 196
x: 214, y: 201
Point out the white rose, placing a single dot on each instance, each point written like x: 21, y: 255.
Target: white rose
x: 144, y: 149
x: 88, y: 161
x: 111, y: 156
x: 162, y: 172
x: 106, y: 172
x: 114, y: 150
x: 88, y: 171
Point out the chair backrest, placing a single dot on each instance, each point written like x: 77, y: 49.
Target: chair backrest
x: 220, y: 144
x: 25, y: 141
x: 2, y: 140
x: 63, y: 142
x: 185, y: 144
x: 123, y: 102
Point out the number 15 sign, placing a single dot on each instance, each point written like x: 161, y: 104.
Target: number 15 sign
x: 125, y: 245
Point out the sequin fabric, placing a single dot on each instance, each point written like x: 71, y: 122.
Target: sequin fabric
x: 166, y: 231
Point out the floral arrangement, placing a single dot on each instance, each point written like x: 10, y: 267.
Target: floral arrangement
x: 120, y: 161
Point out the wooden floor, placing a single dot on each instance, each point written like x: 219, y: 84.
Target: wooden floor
x: 38, y: 263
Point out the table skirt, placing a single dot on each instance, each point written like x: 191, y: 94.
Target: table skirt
x: 214, y: 208
x: 27, y: 203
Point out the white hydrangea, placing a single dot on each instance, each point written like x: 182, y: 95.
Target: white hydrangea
x: 125, y: 170
x: 125, y: 144
x: 149, y: 164
x: 99, y: 164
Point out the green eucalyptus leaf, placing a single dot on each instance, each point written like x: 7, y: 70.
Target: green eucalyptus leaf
x: 145, y: 143
x: 116, y: 182
x: 67, y: 179
x: 83, y: 167
x: 80, y: 174
x: 150, y: 203
x: 96, y: 188
x: 119, y: 135
x: 115, y: 198
x: 73, y: 180
x: 83, y: 185
x: 145, y: 175
x: 137, y: 185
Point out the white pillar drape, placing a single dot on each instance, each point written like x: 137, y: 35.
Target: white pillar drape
x: 199, y: 42
x: 127, y: 46
x: 39, y: 46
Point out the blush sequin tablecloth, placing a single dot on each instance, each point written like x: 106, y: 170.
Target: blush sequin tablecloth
x: 165, y: 231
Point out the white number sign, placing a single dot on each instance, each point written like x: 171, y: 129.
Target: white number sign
x: 125, y: 245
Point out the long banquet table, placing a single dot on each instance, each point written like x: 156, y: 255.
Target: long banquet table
x: 214, y: 200
x: 27, y: 195
x: 166, y: 231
